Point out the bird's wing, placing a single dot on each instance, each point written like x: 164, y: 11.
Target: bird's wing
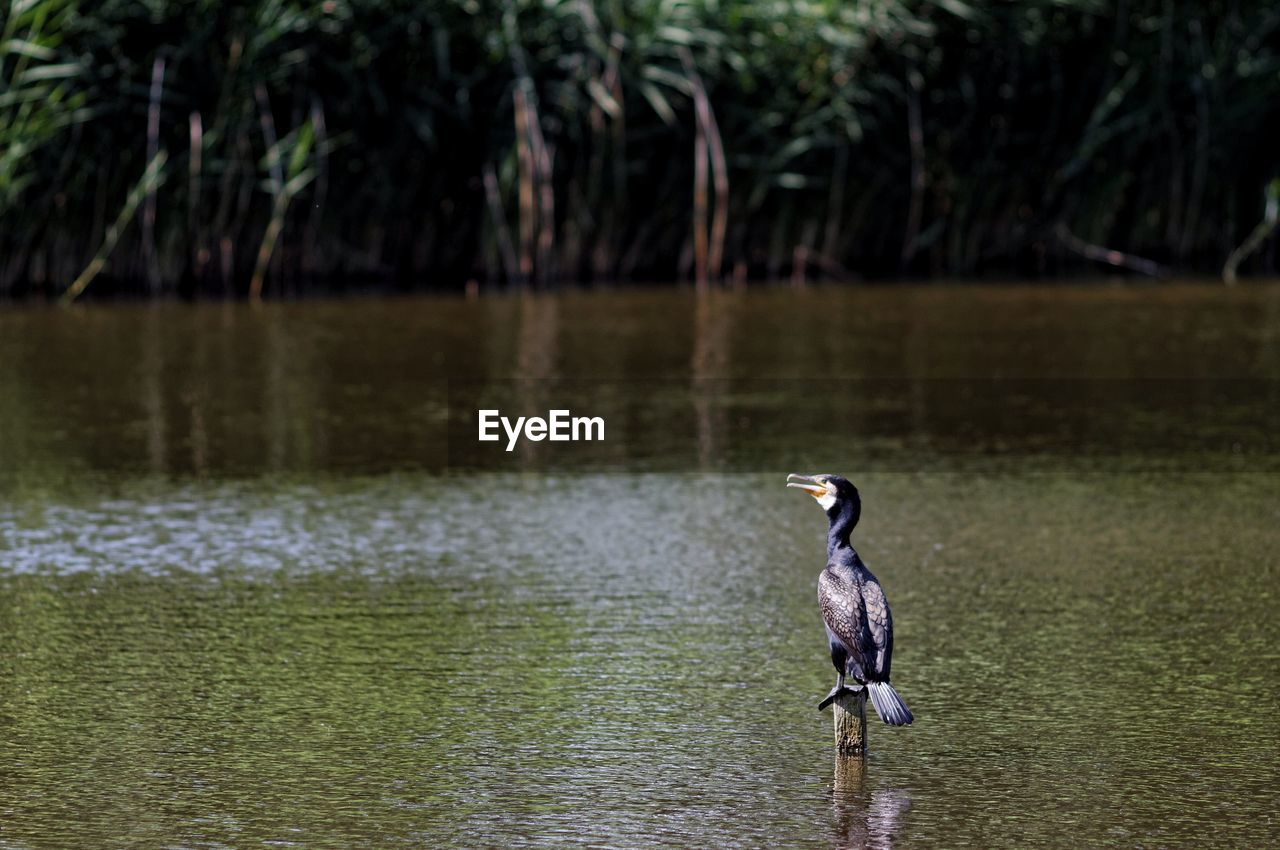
x: 879, y: 628
x: 841, y: 603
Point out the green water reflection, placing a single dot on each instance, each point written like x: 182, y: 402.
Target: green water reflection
x: 246, y: 600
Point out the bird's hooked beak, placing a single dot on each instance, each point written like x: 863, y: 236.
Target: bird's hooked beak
x: 811, y: 484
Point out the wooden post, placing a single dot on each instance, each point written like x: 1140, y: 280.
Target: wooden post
x: 850, y: 713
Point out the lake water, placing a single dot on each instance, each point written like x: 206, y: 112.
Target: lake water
x: 260, y: 585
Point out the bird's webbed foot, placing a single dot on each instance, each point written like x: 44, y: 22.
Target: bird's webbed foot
x: 836, y: 692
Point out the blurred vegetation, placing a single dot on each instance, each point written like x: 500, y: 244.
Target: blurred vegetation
x: 274, y: 146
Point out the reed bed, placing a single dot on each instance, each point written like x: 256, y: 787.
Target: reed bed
x: 275, y: 147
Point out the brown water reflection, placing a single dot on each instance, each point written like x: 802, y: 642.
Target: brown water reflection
x: 902, y: 378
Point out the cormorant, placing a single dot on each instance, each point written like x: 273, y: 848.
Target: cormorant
x: 859, y: 625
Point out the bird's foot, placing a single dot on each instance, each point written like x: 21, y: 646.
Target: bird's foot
x: 836, y: 692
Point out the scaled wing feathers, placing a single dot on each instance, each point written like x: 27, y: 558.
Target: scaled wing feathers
x: 858, y: 615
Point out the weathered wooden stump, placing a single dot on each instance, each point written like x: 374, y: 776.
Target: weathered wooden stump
x: 850, y: 713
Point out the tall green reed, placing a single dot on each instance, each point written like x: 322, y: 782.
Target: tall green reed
x: 523, y: 143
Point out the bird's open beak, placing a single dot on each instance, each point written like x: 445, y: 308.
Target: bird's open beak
x: 807, y: 483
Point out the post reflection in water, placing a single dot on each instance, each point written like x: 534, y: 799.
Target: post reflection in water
x: 861, y: 818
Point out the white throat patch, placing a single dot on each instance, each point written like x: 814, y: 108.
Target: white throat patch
x: 827, y: 501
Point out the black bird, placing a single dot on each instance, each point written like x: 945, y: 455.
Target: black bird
x: 859, y: 625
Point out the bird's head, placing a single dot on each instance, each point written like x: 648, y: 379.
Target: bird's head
x: 836, y: 495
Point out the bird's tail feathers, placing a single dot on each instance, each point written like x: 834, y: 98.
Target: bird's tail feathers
x: 889, y: 705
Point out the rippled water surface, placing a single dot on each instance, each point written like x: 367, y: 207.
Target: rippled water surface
x: 257, y: 586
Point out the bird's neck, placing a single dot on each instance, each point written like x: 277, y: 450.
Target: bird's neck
x: 838, y: 534
x: 835, y: 543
